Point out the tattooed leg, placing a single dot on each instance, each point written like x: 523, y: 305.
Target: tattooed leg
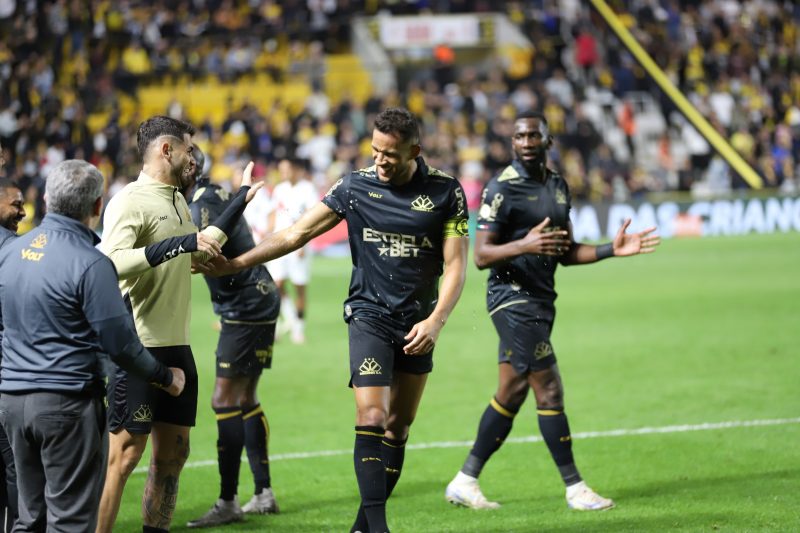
x: 170, y: 451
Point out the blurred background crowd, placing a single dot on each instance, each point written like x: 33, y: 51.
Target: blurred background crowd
x: 77, y: 77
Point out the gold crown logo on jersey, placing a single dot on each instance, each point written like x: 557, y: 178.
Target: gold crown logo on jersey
x: 543, y: 349
x: 40, y: 241
x: 561, y: 198
x: 370, y: 367
x: 422, y: 203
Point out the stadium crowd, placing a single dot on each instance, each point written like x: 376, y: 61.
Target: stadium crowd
x: 617, y: 137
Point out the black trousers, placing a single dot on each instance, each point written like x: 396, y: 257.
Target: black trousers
x: 60, y: 449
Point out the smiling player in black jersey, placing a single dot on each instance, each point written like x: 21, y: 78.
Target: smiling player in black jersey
x: 523, y: 233
x: 407, y: 225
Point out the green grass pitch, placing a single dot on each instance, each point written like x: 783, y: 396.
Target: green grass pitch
x: 703, y: 331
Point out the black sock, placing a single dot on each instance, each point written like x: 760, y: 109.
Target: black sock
x: 256, y: 440
x: 494, y: 427
x: 230, y: 440
x: 301, y: 314
x: 151, y: 529
x: 394, y: 453
x: 555, y: 432
x: 371, y: 475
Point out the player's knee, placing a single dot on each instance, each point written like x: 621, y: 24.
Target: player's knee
x: 512, y: 395
x: 398, y: 427
x: 371, y: 416
x: 124, y: 461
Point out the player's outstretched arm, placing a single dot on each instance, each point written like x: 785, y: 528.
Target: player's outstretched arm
x: 539, y: 240
x: 121, y: 227
x: 423, y: 335
x: 313, y: 223
x: 623, y: 245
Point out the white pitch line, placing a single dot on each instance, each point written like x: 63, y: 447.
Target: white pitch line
x: 533, y: 438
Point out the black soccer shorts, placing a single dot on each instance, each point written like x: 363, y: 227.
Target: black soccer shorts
x: 524, y: 329
x: 244, y: 348
x: 134, y: 404
x: 376, y: 352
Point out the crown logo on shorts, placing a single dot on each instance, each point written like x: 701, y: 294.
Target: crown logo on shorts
x: 422, y: 203
x: 40, y: 241
x: 543, y: 349
x: 143, y: 414
x: 369, y: 367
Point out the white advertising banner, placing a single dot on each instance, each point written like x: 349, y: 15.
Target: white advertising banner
x: 429, y: 31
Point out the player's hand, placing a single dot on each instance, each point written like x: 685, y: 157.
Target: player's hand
x: 219, y: 266
x: 200, y: 268
x: 247, y: 181
x: 178, y: 382
x: 634, y: 243
x: 543, y: 241
x: 208, y: 245
x: 423, y: 336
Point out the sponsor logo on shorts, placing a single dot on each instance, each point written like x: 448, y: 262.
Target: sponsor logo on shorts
x: 348, y: 310
x: 264, y: 355
x: 370, y: 367
x: 223, y: 364
x: 508, y: 352
x: 143, y: 414
x: 543, y: 349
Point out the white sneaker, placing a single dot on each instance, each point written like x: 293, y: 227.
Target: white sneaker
x: 464, y: 490
x: 298, y: 332
x: 222, y: 513
x: 583, y: 498
x: 262, y: 503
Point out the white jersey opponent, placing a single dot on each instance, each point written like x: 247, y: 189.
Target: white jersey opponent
x: 289, y: 202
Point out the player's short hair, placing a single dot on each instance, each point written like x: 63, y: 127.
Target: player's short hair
x: 200, y: 162
x: 72, y: 188
x: 400, y: 122
x: 154, y: 127
x: 531, y: 114
x: 5, y: 184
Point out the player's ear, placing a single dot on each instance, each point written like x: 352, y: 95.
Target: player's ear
x: 165, y: 148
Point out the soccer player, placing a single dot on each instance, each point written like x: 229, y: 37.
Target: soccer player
x: 248, y: 304
x: 150, y: 237
x: 523, y: 233
x: 407, y: 223
x: 12, y: 210
x: 292, y: 197
x: 62, y: 314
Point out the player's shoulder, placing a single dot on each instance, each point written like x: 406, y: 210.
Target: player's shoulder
x: 210, y: 193
x: 366, y: 172
x: 509, y: 176
x: 440, y: 175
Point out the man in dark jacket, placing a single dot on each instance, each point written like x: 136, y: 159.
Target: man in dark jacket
x: 62, y: 314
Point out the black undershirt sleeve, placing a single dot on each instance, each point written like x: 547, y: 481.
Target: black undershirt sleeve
x: 162, y: 251
x: 228, y: 219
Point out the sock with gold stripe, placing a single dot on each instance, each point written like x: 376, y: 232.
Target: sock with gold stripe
x: 394, y: 453
x: 494, y: 427
x: 230, y: 442
x: 256, y: 441
x: 371, y: 475
x: 555, y: 432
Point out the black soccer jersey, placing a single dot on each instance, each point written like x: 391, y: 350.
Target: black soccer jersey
x: 512, y: 204
x: 250, y: 295
x: 396, y: 237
